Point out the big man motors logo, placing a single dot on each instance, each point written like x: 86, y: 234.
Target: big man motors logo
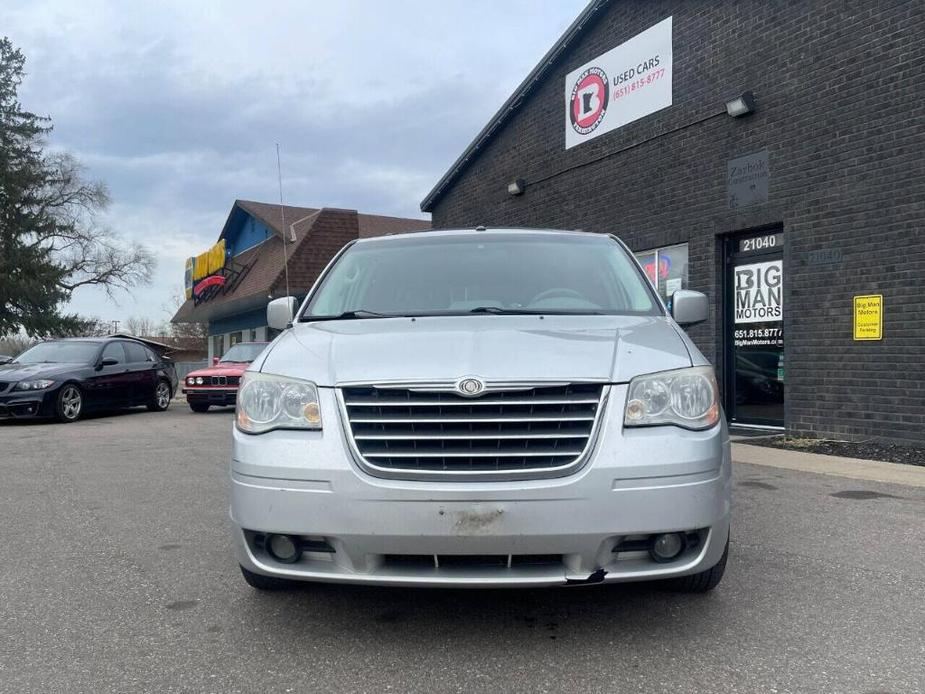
x: 589, y: 99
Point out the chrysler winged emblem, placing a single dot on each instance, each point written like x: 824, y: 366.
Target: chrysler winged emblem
x: 470, y: 386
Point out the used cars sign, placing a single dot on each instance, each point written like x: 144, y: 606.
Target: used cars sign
x: 620, y: 86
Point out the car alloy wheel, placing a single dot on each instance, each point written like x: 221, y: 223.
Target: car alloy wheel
x: 71, y: 403
x: 162, y: 395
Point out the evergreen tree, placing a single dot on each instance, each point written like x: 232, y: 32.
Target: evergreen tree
x: 50, y: 239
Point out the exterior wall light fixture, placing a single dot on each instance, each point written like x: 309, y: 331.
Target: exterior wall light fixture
x: 741, y: 105
x: 516, y: 187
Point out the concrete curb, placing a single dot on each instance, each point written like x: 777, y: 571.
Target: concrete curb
x: 855, y: 468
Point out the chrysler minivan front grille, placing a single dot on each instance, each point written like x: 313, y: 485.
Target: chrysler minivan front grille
x: 514, y: 430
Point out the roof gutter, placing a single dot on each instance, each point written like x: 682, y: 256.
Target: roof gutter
x: 589, y: 14
x: 292, y: 238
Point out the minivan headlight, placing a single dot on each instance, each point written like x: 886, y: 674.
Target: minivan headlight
x: 687, y: 398
x: 267, y: 402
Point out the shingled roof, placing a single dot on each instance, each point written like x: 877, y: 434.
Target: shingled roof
x: 272, y: 215
x: 319, y: 234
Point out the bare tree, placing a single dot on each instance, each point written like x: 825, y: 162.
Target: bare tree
x: 141, y: 325
x: 197, y: 330
x: 13, y: 345
x: 88, y: 253
x: 92, y: 327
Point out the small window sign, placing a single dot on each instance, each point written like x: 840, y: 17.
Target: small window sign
x: 868, y: 317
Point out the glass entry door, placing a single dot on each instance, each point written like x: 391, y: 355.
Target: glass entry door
x: 754, y: 337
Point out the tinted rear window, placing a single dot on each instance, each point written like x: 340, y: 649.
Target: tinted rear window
x: 135, y: 352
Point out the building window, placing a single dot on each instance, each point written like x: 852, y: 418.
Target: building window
x: 253, y: 337
x: 666, y: 268
x: 218, y: 345
x: 236, y: 338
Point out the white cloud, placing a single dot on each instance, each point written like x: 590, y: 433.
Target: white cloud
x: 177, y: 106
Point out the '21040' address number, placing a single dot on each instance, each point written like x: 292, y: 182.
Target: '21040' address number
x: 761, y: 243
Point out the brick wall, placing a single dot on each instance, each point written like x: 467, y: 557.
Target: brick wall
x: 841, y: 109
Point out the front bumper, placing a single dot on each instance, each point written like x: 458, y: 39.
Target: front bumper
x: 215, y: 395
x: 26, y: 404
x: 636, y: 482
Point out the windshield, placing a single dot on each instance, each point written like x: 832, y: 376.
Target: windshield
x: 60, y: 353
x: 244, y: 352
x: 501, y: 272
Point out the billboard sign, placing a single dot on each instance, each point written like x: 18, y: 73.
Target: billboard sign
x: 203, y: 265
x: 620, y: 86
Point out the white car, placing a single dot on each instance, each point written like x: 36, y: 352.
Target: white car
x: 482, y: 408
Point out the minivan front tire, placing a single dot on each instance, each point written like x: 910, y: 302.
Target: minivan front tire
x: 704, y: 581
x: 261, y: 582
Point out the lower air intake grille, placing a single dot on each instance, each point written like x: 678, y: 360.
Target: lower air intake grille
x: 523, y: 432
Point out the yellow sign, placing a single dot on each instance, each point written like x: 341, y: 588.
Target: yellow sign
x: 203, y: 265
x: 209, y: 262
x: 868, y: 317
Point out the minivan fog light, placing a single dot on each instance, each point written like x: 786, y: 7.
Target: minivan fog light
x: 667, y: 546
x: 284, y: 548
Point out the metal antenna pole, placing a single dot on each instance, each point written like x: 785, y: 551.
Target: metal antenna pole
x: 282, y: 214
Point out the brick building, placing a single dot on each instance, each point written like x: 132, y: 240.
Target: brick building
x: 228, y: 286
x: 769, y: 154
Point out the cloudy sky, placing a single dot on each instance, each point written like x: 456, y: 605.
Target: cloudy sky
x: 177, y: 105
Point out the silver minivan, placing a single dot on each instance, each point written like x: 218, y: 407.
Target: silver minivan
x: 488, y: 407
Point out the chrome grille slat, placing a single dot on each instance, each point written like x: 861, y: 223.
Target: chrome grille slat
x: 466, y: 402
x: 467, y: 437
x: 511, y: 430
x: 411, y: 419
x: 554, y: 453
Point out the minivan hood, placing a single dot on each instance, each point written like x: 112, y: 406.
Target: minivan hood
x: 493, y: 347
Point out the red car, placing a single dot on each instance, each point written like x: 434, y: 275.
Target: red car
x: 218, y: 384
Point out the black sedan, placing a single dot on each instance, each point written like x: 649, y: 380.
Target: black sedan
x: 67, y: 378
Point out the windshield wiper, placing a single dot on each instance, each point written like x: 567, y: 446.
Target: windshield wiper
x: 503, y: 311
x: 349, y: 315
x: 498, y: 310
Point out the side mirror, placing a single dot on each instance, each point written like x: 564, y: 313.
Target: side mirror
x: 215, y: 361
x: 280, y: 312
x: 689, y: 307
x: 108, y: 361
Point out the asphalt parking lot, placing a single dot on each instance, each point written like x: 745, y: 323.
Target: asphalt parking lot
x: 117, y: 576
